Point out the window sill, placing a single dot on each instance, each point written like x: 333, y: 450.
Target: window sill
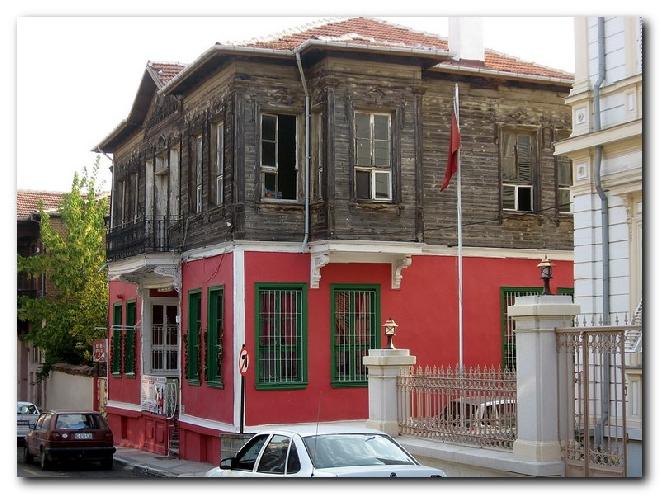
x: 377, y: 205
x: 193, y: 382
x: 130, y: 375
x: 279, y: 205
x: 281, y: 386
x: 348, y: 384
x: 215, y: 384
x: 116, y: 374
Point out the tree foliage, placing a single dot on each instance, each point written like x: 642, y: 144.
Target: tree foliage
x: 64, y: 324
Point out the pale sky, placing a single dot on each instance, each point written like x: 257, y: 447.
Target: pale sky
x: 77, y: 76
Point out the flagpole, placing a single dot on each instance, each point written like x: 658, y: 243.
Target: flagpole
x: 459, y: 217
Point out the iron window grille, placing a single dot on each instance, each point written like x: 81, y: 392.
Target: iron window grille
x: 194, y: 329
x: 281, y: 326
x: 214, y: 335
x: 518, y: 153
x: 373, y: 163
x: 355, y: 330
x: 508, y: 297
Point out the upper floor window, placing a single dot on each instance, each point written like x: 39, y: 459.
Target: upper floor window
x: 134, y: 195
x: 373, y: 163
x: 317, y: 157
x: 198, y: 172
x: 218, y: 163
x: 279, y: 171
x: 518, y: 152
x: 122, y: 201
x: 564, y: 179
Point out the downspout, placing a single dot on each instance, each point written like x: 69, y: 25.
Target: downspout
x: 304, y: 84
x: 605, y: 238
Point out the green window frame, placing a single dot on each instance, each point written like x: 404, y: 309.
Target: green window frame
x: 507, y: 298
x: 129, y: 339
x: 215, y: 336
x: 193, y: 355
x: 116, y: 338
x: 355, y: 328
x: 280, y: 336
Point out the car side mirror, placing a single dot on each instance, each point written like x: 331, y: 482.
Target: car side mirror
x: 228, y: 463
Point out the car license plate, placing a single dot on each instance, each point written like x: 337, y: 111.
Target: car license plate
x: 82, y: 436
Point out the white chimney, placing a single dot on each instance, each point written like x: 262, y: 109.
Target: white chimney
x: 466, y: 39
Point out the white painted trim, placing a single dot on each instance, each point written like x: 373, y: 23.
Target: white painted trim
x: 627, y: 130
x: 126, y: 406
x: 239, y: 325
x: 134, y: 263
x: 206, y: 423
x: 229, y: 246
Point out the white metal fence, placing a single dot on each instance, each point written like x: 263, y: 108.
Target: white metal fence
x: 476, y: 406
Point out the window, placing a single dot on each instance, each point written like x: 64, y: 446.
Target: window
x: 293, y: 462
x: 116, y: 339
x: 373, y: 164
x: 214, y: 335
x: 122, y: 202
x: 198, y: 172
x: 508, y: 297
x: 134, y: 193
x: 279, y: 171
x: 317, y: 157
x: 129, y: 339
x: 247, y: 456
x: 518, y: 158
x: 273, y: 459
x: 280, y: 334
x: 164, y: 338
x: 218, y: 169
x: 194, y: 329
x: 355, y: 330
x: 564, y: 179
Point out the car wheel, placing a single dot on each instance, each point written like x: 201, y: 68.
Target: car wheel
x: 27, y: 457
x: 45, y: 464
x: 107, y: 464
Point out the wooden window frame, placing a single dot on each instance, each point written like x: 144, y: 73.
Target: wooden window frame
x: 198, y: 146
x: 269, y: 169
x: 117, y: 308
x: 215, y: 336
x: 336, y: 380
x: 301, y: 336
x: 534, y: 184
x: 219, y: 161
x: 372, y: 168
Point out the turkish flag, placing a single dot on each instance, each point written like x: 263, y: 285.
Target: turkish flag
x: 454, y: 146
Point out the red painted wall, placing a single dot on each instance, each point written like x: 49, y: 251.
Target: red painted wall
x: 425, y: 309
x: 204, y: 401
x: 121, y: 387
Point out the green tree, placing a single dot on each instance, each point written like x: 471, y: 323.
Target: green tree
x: 65, y: 323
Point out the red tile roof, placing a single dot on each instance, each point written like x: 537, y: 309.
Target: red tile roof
x: 165, y: 71
x: 27, y: 202
x: 377, y: 32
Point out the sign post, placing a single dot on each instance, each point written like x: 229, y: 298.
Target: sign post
x: 243, y: 365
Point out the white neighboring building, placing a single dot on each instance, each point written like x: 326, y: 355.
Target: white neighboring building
x: 620, y: 136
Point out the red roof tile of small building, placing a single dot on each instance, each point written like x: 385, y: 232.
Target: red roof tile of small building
x: 165, y: 71
x: 27, y: 202
x: 382, y: 32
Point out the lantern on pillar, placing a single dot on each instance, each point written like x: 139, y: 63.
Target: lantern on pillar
x: 390, y: 331
x: 546, y: 274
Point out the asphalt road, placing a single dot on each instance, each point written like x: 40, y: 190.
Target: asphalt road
x: 72, y: 470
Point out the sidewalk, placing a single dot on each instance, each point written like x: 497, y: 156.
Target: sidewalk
x: 157, y: 465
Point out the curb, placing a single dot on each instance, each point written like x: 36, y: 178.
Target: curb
x: 141, y: 469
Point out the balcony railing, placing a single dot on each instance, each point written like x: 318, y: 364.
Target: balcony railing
x: 157, y: 235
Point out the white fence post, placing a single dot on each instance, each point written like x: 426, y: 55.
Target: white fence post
x: 384, y: 366
x: 536, y: 318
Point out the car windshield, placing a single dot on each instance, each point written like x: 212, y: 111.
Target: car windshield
x: 27, y: 409
x: 76, y: 421
x: 354, y: 449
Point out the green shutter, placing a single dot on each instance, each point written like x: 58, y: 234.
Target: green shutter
x: 116, y: 339
x: 355, y: 327
x: 194, y: 328
x: 214, y: 336
x: 129, y: 339
x: 280, y: 336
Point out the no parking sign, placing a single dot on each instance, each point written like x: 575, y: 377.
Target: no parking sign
x: 243, y: 361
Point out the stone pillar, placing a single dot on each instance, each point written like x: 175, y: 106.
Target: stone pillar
x: 536, y: 318
x: 384, y: 366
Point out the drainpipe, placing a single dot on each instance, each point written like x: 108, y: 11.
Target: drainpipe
x: 304, y: 84
x: 605, y: 238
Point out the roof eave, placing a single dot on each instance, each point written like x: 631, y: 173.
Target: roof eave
x: 418, y: 52
x: 503, y: 74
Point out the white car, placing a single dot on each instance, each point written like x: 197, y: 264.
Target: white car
x: 322, y: 452
x: 26, y: 415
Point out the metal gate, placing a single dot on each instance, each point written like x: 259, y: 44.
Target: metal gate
x: 592, y: 402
